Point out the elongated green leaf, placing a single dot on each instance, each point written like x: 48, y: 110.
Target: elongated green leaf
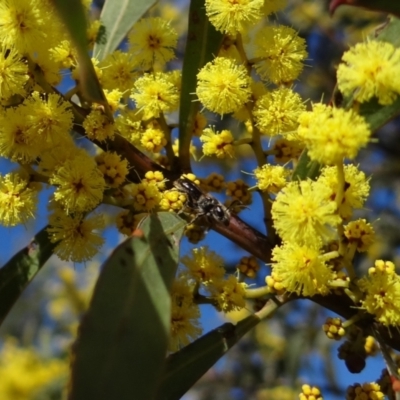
x: 377, y: 115
x: 386, y: 6
x: 184, y: 368
x: 203, y: 43
x: 391, y: 31
x: 118, y: 17
x: 122, y: 341
x: 73, y: 15
x: 306, y: 168
x: 21, y: 269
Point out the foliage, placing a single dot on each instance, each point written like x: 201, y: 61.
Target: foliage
x: 126, y: 135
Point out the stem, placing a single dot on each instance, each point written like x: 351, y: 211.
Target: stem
x: 351, y: 295
x: 338, y: 283
x: 330, y: 256
x: 167, y: 132
x: 259, y: 153
x: 339, y: 198
x: 350, y: 269
x: 341, y: 184
x: 269, y: 307
x: 71, y: 92
x: 242, y: 52
x: 257, y: 292
x: 239, y: 142
x: 34, y: 175
x: 39, y: 77
x: 351, y: 250
x: 355, y: 318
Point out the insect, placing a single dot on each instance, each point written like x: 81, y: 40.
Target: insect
x: 202, y: 204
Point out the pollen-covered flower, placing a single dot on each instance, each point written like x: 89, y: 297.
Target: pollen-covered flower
x: 332, y: 134
x: 50, y: 118
x: 64, y: 54
x: 368, y: 390
x: 218, y: 144
x: 213, y: 182
x: 94, y: 29
x: 301, y: 269
x: 303, y: 214
x: 18, y: 199
x: 118, y: 71
x: 277, y: 112
x: 360, y: 233
x: 274, y: 283
x: 20, y: 360
x: 153, y: 40
x: 185, y: 314
x: 127, y: 222
x: 98, y: 126
x: 310, y: 392
x: 356, y: 188
x: 195, y: 233
x: 370, y: 70
x: 280, y: 53
x: 50, y: 68
x: 233, y: 17
x: 17, y: 141
x: 285, y: 150
x: 154, y: 95
x: 13, y: 73
x: 229, y: 294
x: 239, y: 191
x: 333, y: 328
x: 113, y: 168
x: 172, y: 200
x: 199, y: 124
x: 76, y: 236
x: 153, y: 140
x: 54, y: 157
x: 271, y: 178
x: 248, y: 266
x: 129, y: 124
x: 156, y: 178
x: 258, y: 90
x: 382, y: 293
x: 113, y: 98
x: 205, y: 266
x: 146, y: 196
x: 23, y: 25
x: 80, y: 184
x: 223, y: 86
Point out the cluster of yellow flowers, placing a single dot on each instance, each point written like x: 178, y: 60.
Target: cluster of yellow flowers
x: 313, y: 218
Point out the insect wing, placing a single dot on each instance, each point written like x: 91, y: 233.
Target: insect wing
x: 187, y: 186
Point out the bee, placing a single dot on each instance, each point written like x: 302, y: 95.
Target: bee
x: 202, y: 204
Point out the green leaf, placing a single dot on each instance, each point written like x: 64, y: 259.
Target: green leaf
x: 306, y: 168
x: 203, y: 44
x: 122, y: 340
x: 73, y: 15
x: 118, y: 17
x: 184, y: 368
x: 376, y: 115
x: 386, y: 6
x: 21, y: 269
x: 391, y: 31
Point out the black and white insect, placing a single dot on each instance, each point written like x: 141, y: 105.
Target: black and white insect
x: 202, y: 204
